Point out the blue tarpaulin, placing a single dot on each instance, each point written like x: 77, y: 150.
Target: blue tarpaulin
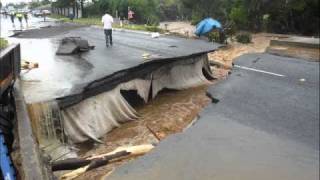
x: 207, y: 25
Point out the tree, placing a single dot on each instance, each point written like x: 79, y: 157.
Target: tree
x: 239, y: 15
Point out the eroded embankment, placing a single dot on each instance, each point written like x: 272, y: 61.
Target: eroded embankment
x: 106, y: 103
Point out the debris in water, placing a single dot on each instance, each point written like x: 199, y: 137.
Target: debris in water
x: 104, y: 159
x: 27, y: 65
x: 155, y: 35
x: 73, y: 45
x: 146, y: 56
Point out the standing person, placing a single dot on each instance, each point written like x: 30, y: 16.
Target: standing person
x: 19, y: 16
x: 25, y: 15
x: 130, y: 15
x: 71, y: 16
x: 107, y: 21
x: 12, y: 16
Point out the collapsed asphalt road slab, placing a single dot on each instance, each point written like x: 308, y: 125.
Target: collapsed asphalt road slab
x: 73, y: 45
x: 60, y: 76
x: 73, y: 99
x: 265, y: 126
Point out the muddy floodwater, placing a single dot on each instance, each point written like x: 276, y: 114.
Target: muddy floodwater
x: 169, y: 113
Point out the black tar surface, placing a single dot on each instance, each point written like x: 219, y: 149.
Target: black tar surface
x: 72, y: 73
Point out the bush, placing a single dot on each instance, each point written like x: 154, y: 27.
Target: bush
x: 3, y: 43
x: 214, y: 36
x: 244, y: 38
x: 153, y: 20
x: 152, y: 28
x: 230, y: 29
x: 217, y: 36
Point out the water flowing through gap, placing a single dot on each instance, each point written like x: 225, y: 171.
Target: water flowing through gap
x: 134, y: 105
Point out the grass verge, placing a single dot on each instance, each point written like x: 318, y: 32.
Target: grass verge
x: 3, y: 43
x: 97, y: 21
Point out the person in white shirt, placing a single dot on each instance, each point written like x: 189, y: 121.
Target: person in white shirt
x: 107, y: 21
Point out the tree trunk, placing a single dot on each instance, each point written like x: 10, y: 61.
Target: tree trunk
x: 74, y: 8
x: 82, y: 9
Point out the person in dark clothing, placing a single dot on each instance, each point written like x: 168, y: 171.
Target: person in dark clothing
x: 108, y: 35
x: 20, y: 16
x: 71, y: 16
x: 25, y: 15
x: 12, y: 17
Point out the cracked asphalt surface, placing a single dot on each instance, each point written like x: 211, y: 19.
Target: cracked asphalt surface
x: 265, y: 126
x: 59, y: 76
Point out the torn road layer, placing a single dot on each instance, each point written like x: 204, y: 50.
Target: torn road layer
x: 101, y: 106
x: 85, y: 97
x: 61, y: 76
x: 142, y: 71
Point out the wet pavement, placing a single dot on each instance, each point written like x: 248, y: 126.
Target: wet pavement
x: 7, y: 28
x: 265, y: 126
x: 59, y: 76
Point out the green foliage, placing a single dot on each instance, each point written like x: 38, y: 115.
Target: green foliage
x: 97, y: 21
x: 196, y: 18
x: 214, y: 36
x: 244, y: 37
x: 295, y: 16
x: 239, y: 16
x: 146, y: 11
x: 217, y: 36
x: 230, y: 29
x: 152, y: 28
x: 3, y: 43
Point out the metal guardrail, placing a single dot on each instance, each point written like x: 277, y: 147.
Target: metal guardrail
x: 10, y: 59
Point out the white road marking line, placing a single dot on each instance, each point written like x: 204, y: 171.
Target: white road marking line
x: 258, y: 70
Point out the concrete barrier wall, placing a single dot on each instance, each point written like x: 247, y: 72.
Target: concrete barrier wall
x: 31, y: 166
x: 9, y: 65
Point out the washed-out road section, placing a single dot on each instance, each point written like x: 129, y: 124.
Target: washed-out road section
x: 265, y: 126
x: 59, y: 76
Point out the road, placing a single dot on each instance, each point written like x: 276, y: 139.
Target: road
x: 59, y: 76
x: 265, y: 126
x: 7, y: 28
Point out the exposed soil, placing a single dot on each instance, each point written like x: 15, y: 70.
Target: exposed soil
x: 298, y: 52
x: 182, y: 27
x: 234, y: 49
x: 169, y: 113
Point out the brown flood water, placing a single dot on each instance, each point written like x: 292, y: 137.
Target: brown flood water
x: 169, y: 113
